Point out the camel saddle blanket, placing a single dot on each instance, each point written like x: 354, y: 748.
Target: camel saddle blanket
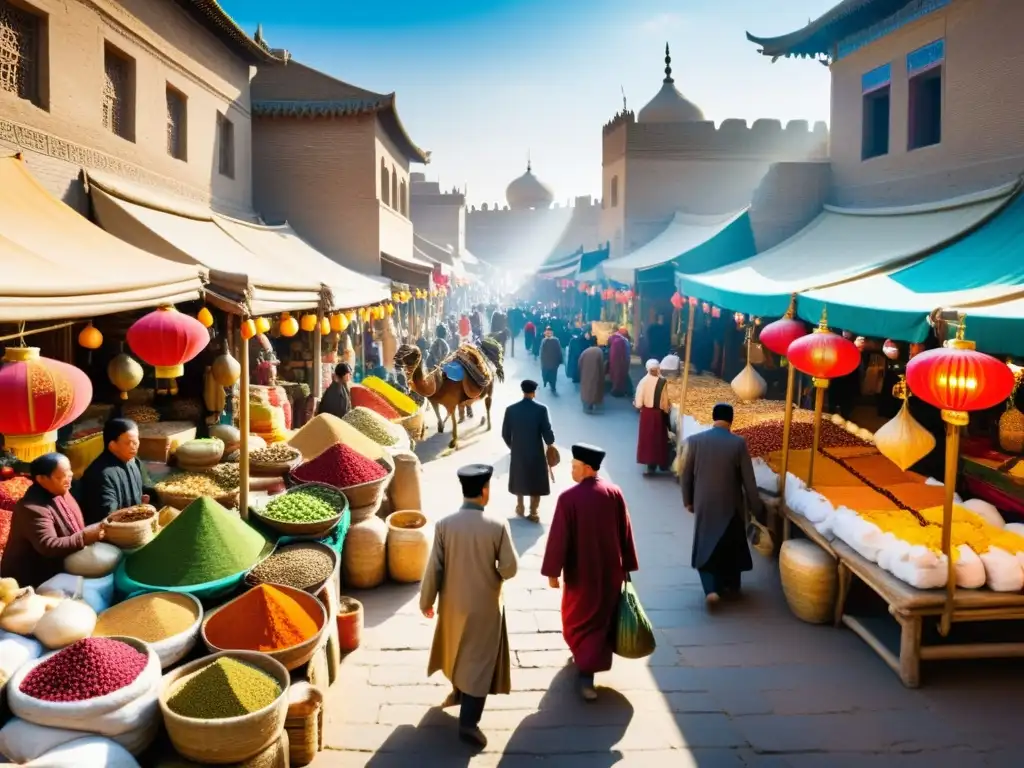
x: 472, y: 362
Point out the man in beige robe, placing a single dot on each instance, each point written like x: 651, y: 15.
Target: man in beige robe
x: 592, y: 377
x: 472, y: 556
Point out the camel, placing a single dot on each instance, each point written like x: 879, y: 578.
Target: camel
x: 453, y: 394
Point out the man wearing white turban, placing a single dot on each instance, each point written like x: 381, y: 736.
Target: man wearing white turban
x: 651, y: 400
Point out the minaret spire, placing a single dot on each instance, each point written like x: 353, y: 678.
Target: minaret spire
x: 668, y: 66
x: 529, y: 164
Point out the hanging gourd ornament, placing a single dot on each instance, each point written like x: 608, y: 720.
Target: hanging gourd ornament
x: 350, y: 315
x: 167, y: 339
x: 391, y: 309
x: 308, y: 323
x: 205, y: 317
x: 226, y: 370
x: 262, y: 325
x: 125, y: 373
x: 325, y: 326
x: 1011, y: 423
x: 335, y: 323
x: 90, y: 338
x: 289, y: 326
x: 748, y: 384
x: 903, y: 440
x: 38, y: 396
x: 248, y: 329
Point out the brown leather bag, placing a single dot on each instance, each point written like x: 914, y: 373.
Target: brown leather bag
x: 553, y: 456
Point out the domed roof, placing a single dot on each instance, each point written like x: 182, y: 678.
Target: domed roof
x: 528, y: 192
x: 668, y: 104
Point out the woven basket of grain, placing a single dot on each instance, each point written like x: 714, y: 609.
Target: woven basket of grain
x: 132, y: 527
x: 276, y: 468
x: 229, y: 739
x: 364, y: 559
x: 809, y: 580
x: 408, y: 545
x: 414, y: 424
x: 305, y: 723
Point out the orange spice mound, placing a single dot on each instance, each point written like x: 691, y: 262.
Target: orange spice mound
x: 263, y: 619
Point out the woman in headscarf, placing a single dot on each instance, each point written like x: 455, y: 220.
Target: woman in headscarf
x: 115, y: 479
x: 46, y: 526
x: 618, y: 364
x: 572, y: 357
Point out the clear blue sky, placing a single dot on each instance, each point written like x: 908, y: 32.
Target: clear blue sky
x: 480, y: 84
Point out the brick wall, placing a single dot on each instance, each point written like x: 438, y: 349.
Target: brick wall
x: 66, y: 133
x: 788, y: 198
x: 983, y: 111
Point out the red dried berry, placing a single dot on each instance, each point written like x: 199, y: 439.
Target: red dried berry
x: 85, y: 670
x: 341, y: 467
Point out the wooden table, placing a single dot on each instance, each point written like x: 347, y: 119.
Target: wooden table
x: 912, y: 608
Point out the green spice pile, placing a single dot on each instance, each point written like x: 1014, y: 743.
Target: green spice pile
x: 151, y: 617
x: 297, y: 565
x: 375, y: 426
x: 204, y: 543
x: 224, y: 688
x: 305, y: 505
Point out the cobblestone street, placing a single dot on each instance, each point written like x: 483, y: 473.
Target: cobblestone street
x: 748, y: 686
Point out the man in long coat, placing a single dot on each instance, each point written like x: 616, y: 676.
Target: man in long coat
x: 472, y: 556
x: 526, y: 431
x: 717, y: 475
x: 592, y: 367
x: 550, y: 360
x: 590, y: 544
x: 618, y: 363
x: 572, y: 356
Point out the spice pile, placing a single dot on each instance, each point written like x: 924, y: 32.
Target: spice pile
x: 224, y: 688
x: 325, y: 430
x: 202, y: 544
x: 278, y: 453
x: 766, y: 437
x: 704, y: 392
x: 84, y: 670
x: 402, y: 402
x: 376, y: 427
x: 367, y: 398
x: 309, y: 504
x: 227, y: 475
x: 341, y: 467
x: 151, y: 618
x: 141, y: 414
x: 263, y: 619
x: 194, y: 484
x: 298, y: 565
x: 11, y: 492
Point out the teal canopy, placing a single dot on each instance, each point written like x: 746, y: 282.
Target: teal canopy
x: 839, y: 246
x: 734, y: 242
x: 983, y: 266
x: 997, y: 328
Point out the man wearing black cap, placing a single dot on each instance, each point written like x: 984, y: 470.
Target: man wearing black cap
x: 717, y: 475
x: 337, y: 399
x: 526, y: 431
x: 472, y: 556
x: 591, y: 544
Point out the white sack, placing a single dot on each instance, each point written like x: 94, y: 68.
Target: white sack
x: 92, y: 751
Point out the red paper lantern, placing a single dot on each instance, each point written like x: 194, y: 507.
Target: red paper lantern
x: 38, y: 396
x: 693, y: 301
x: 716, y: 312
x: 860, y: 342
x: 823, y: 354
x: 167, y: 339
x: 677, y: 300
x: 779, y: 335
x: 957, y: 378
x: 890, y: 350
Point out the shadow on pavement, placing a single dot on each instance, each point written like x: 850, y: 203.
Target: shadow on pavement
x: 470, y: 431
x: 387, y: 601
x: 548, y: 731
x: 432, y: 742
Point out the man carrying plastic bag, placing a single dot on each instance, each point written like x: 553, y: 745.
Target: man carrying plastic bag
x: 590, y: 544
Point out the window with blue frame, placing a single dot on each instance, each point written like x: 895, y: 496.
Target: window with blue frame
x: 875, y: 109
x: 924, y: 112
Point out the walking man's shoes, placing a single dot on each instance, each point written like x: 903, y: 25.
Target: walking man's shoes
x: 711, y: 599
x: 588, y: 692
x: 534, y: 517
x: 473, y: 735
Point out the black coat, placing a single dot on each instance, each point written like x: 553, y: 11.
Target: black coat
x: 110, y: 484
x: 526, y: 431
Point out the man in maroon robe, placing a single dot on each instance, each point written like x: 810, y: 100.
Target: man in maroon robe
x: 651, y: 400
x: 591, y: 544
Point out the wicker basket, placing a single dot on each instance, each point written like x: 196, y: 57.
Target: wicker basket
x: 230, y: 739
x: 1011, y: 431
x: 364, y: 558
x: 305, y: 723
x: 408, y: 546
x: 371, y: 494
x: 809, y: 580
x: 227, y: 500
x: 297, y: 655
x: 313, y: 589
x: 319, y: 528
x: 359, y: 514
x: 276, y: 468
x: 122, y: 531
x: 413, y: 424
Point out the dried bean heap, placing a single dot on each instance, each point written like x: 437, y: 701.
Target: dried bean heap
x: 363, y: 397
x: 766, y: 438
x: 151, y: 617
x: 84, y: 670
x: 298, y: 565
x: 310, y: 504
x: 194, y: 484
x: 374, y: 426
x: 225, y: 688
x: 341, y: 467
x: 277, y: 453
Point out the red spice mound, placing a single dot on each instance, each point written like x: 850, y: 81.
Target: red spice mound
x: 367, y: 398
x: 341, y: 467
x: 5, y: 528
x: 766, y: 437
x: 84, y: 670
x: 12, y: 490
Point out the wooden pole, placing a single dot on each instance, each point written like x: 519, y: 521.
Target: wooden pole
x: 317, y: 379
x: 820, y: 386
x: 787, y: 423
x: 243, y: 430
x: 952, y: 459
x: 687, y: 348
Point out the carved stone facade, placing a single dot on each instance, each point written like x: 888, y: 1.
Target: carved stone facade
x: 61, y: 131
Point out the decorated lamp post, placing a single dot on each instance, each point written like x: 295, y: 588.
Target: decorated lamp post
x: 778, y: 337
x: 823, y: 356
x: 38, y: 396
x: 956, y: 379
x: 167, y: 339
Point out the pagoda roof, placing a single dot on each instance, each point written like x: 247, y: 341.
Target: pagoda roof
x: 216, y: 20
x: 821, y: 36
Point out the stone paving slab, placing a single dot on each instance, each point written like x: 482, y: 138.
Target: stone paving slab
x: 746, y: 687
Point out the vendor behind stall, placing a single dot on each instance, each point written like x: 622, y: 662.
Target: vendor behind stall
x: 115, y: 479
x: 337, y: 400
x: 46, y: 526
